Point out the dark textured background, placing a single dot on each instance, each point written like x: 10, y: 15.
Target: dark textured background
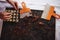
x: 29, y: 28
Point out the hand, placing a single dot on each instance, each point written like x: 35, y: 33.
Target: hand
x: 58, y: 16
x: 5, y: 15
x: 14, y: 4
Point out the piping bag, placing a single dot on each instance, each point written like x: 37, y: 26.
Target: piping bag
x: 24, y: 11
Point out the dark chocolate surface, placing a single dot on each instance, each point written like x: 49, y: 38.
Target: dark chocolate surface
x: 29, y: 28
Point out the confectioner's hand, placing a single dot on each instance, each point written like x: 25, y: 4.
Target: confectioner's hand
x: 5, y: 15
x: 14, y: 4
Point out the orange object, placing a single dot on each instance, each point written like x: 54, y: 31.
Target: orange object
x: 24, y: 8
x: 50, y: 13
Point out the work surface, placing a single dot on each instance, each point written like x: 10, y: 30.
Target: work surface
x: 29, y: 28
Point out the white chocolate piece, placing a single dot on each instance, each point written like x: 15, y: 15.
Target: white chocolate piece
x: 25, y: 14
x: 46, y: 10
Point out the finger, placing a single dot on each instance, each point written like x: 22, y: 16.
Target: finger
x: 57, y: 16
x: 16, y: 5
x: 6, y: 18
x: 7, y: 14
x: 12, y: 3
